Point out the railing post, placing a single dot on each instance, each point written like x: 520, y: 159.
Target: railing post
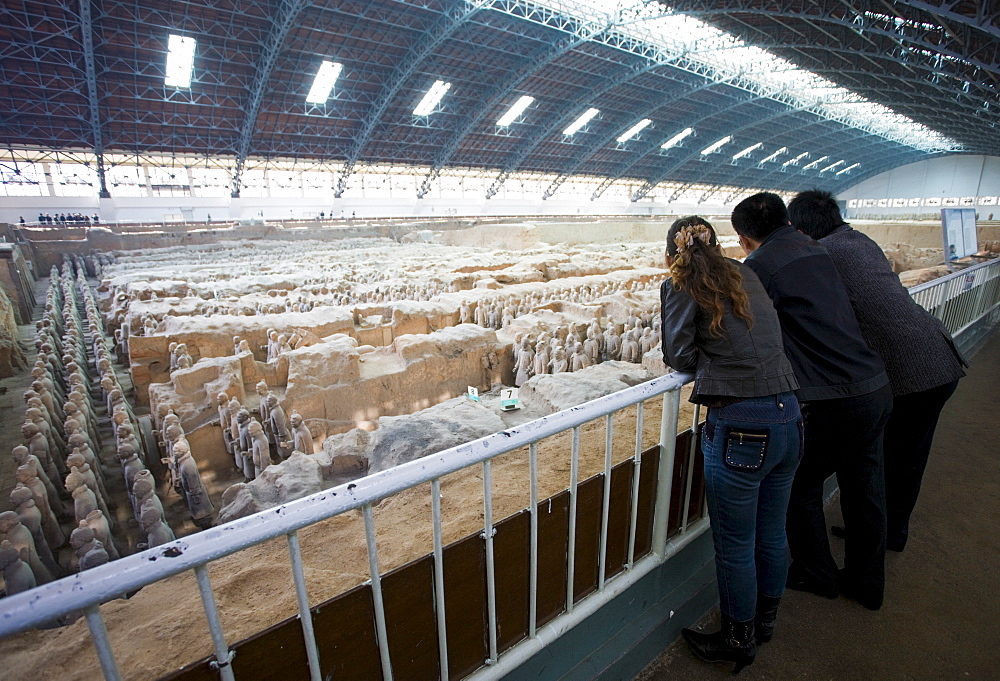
x: 488, y: 532
x: 376, y: 577
x: 664, y: 481
x: 99, y: 633
x: 439, y: 577
x: 305, y: 614
x: 223, y: 655
x: 689, y: 470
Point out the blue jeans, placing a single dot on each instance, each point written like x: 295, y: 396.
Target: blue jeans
x: 751, y: 449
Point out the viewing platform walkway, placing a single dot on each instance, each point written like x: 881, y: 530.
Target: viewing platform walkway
x: 940, y: 619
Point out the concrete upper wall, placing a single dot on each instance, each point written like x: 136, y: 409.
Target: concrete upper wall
x: 949, y: 177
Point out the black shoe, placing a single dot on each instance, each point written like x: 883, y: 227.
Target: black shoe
x: 767, y: 615
x: 838, y: 531
x: 734, y: 643
x: 868, y: 597
x: 813, y: 587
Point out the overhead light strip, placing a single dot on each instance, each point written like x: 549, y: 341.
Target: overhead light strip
x: 715, y: 146
x: 676, y: 139
x: 634, y: 130
x: 848, y: 168
x: 775, y: 155
x: 749, y: 150
x: 323, y: 84
x: 522, y: 103
x: 815, y: 163
x: 584, y: 118
x: 832, y: 166
x: 795, y: 160
x: 431, y: 98
x: 180, y: 61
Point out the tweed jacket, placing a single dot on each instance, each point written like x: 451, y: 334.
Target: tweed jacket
x: 823, y: 340
x: 743, y: 362
x: 918, y: 352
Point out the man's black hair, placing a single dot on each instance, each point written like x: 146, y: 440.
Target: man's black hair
x: 759, y: 215
x: 815, y: 212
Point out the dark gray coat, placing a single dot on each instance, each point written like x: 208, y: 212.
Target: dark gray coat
x: 918, y: 352
x: 743, y: 362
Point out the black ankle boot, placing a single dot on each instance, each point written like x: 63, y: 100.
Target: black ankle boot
x: 767, y: 613
x: 734, y: 643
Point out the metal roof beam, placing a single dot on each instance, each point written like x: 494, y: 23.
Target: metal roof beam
x: 571, y: 112
x: 661, y: 175
x: 581, y: 32
x: 285, y: 16
x: 93, y: 103
x: 443, y: 29
x: 588, y: 152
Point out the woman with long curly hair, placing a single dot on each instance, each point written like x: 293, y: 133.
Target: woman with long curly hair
x: 719, y: 323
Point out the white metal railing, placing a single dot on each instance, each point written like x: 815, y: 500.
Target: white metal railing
x: 87, y: 590
x: 962, y: 298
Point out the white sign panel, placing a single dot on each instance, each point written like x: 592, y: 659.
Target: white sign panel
x: 960, y: 238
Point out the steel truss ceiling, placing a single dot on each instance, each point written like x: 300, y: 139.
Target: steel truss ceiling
x: 89, y: 74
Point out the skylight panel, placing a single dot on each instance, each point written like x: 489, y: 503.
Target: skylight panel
x: 634, y: 130
x: 852, y: 167
x: 715, y: 146
x: 432, y: 98
x: 652, y: 28
x: 180, y: 61
x: 326, y: 77
x: 584, y: 118
x: 815, y: 163
x: 775, y: 155
x: 749, y: 150
x: 676, y: 139
x: 832, y: 166
x: 795, y: 160
x: 522, y: 103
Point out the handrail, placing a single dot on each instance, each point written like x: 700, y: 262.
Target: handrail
x: 92, y: 587
x: 954, y: 275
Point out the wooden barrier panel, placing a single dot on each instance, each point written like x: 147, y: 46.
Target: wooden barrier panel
x: 345, y: 625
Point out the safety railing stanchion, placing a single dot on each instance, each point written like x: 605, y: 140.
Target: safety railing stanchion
x: 99, y: 633
x: 609, y: 425
x: 665, y: 474
x: 376, y: 580
x: 488, y: 532
x: 439, y: 577
x: 636, y: 467
x: 574, y: 475
x: 689, y: 469
x: 533, y: 574
x: 223, y: 655
x: 305, y: 614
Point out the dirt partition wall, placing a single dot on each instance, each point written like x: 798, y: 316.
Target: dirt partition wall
x: 337, y: 384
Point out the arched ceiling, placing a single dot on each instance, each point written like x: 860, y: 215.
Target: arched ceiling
x: 89, y: 74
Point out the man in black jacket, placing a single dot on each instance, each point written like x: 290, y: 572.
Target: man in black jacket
x: 920, y: 356
x: 845, y: 398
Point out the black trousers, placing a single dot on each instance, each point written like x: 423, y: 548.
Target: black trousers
x: 908, y: 437
x: 842, y: 436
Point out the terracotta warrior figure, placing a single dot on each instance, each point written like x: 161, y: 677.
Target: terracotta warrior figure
x: 279, y: 425
x: 199, y: 503
x: 88, y: 552
x: 144, y: 494
x: 243, y: 427
x: 27, y: 510
x: 302, y: 439
x: 261, y: 449
x: 525, y: 365
x: 17, y: 575
x: 25, y: 458
x: 559, y: 363
x: 157, y: 532
x: 102, y: 529
x: 541, y: 362
x: 222, y: 405
x: 20, y: 537
x: 50, y: 526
